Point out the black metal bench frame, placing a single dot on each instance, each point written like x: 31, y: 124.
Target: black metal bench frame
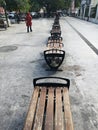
x: 50, y: 105
x: 54, y: 58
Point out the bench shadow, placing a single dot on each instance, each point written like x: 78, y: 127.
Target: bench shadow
x: 21, y: 33
x: 2, y: 30
x: 18, y: 122
x: 41, y: 69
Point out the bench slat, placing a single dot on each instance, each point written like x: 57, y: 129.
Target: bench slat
x: 40, y: 110
x: 31, y: 111
x: 58, y: 112
x: 49, y: 109
x: 68, y: 116
x: 49, y: 112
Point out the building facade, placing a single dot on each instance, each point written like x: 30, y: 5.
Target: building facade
x: 89, y: 10
x: 94, y: 2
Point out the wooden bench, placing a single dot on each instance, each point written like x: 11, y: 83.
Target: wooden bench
x: 56, y: 26
x: 55, y: 32
x: 54, y: 45
x: 55, y: 40
x: 54, y: 56
x: 50, y: 105
x: 56, y: 21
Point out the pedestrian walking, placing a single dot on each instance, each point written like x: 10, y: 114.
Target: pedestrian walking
x: 28, y: 22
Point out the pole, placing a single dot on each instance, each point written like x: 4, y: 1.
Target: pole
x: 89, y: 12
x: 96, y: 18
x: 6, y: 13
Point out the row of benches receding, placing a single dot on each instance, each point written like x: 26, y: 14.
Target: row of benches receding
x: 54, y: 55
x: 49, y: 108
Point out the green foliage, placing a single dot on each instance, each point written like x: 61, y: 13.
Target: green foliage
x: 77, y: 3
x: 51, y: 5
x: 35, y: 5
x: 16, y: 5
x: 68, y: 4
x: 2, y: 2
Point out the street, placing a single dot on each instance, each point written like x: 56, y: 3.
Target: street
x: 22, y: 60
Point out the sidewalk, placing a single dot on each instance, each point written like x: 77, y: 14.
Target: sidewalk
x: 88, y: 29
x: 22, y: 60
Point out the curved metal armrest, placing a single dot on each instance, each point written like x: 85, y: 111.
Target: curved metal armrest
x: 66, y: 82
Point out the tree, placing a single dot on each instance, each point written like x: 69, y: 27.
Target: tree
x: 20, y: 5
x: 50, y: 5
x: 77, y: 3
x: 68, y: 4
x: 1, y: 2
x: 35, y: 5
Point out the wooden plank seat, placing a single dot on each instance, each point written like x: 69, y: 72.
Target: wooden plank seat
x: 54, y: 45
x: 55, y: 31
x: 55, y: 38
x: 56, y: 21
x: 54, y: 41
x: 54, y: 58
x: 50, y: 105
x: 56, y: 34
x: 56, y: 26
x: 57, y: 17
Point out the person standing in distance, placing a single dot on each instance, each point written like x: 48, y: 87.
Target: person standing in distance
x: 28, y: 22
